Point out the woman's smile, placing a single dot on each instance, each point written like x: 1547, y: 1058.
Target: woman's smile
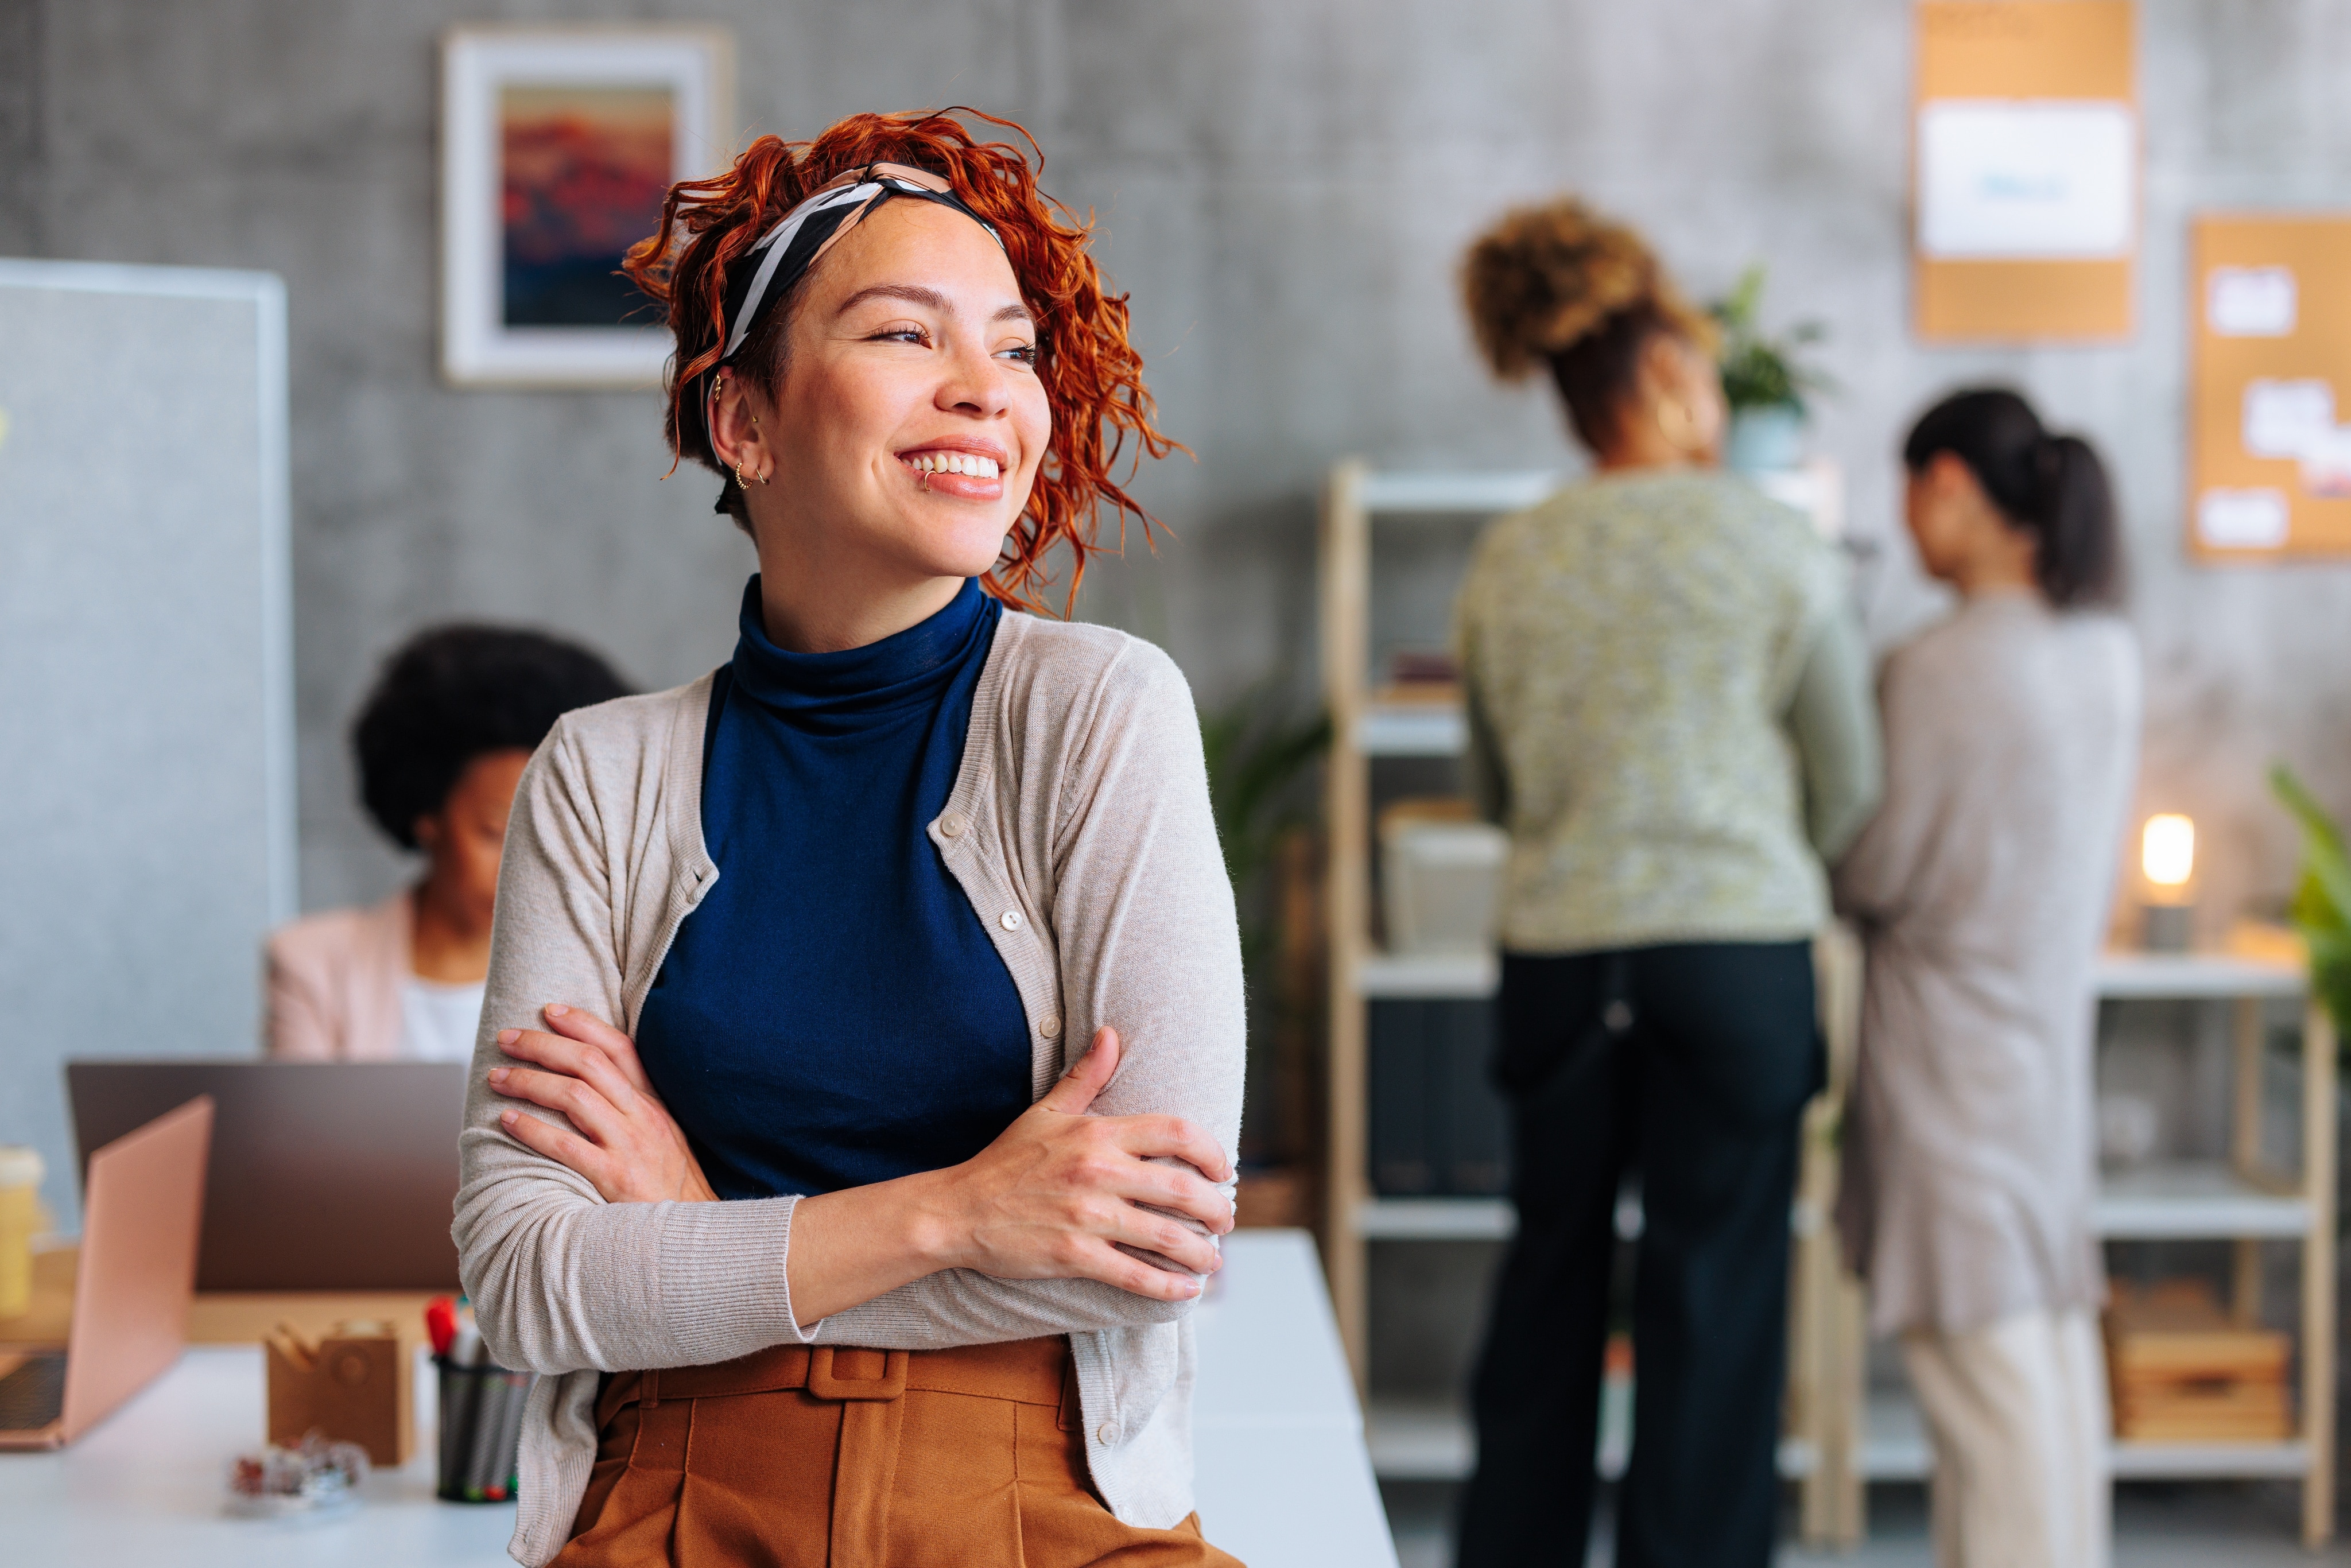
x: 961, y: 467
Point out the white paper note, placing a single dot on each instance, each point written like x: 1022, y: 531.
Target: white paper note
x: 2001, y: 179
x: 2250, y: 301
x: 2242, y: 520
x: 2326, y: 465
x: 2285, y: 419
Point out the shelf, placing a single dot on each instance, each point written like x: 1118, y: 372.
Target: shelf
x: 2186, y: 1201
x: 1415, y: 729
x: 1893, y: 1447
x: 1452, y: 495
x: 2190, y: 976
x: 1409, y: 975
x: 1436, y: 1219
x: 1431, y: 1439
x: 2120, y: 977
x: 2182, y: 1201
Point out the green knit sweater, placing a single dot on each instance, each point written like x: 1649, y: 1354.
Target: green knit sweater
x: 1669, y: 710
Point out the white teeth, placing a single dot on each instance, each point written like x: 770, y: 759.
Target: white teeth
x: 969, y: 462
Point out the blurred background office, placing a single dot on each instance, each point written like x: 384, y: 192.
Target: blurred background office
x: 1287, y: 189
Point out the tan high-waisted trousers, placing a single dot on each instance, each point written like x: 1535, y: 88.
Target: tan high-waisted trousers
x: 801, y: 1458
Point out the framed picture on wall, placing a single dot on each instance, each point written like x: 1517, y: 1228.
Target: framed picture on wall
x: 557, y: 145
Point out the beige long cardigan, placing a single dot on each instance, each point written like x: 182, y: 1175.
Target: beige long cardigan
x: 1981, y: 890
x: 1078, y: 827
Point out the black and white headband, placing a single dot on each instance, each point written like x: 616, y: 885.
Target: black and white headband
x: 786, y: 252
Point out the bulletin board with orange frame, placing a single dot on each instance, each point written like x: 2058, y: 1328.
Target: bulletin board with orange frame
x: 2270, y: 388
x: 2025, y: 171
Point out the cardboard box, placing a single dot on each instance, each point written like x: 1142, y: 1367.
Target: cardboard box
x: 352, y: 1386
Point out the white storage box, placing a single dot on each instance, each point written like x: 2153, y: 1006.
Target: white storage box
x: 1441, y: 879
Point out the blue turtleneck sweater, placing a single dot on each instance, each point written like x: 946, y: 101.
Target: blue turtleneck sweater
x: 833, y: 1013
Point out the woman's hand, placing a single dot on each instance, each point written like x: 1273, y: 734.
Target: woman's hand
x: 1059, y: 1194
x: 625, y: 1142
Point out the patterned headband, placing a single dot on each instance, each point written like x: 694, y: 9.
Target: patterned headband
x: 787, y: 251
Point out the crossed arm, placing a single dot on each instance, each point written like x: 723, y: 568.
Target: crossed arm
x: 578, y: 1225
x: 1058, y: 1195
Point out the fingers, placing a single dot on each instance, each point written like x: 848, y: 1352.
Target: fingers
x: 1172, y: 1137
x: 1172, y: 1239
x: 1088, y: 1077
x: 564, y: 1147
x: 1180, y: 1191
x: 577, y: 1023
x: 1112, y: 1266
x: 587, y: 1062
x: 588, y: 1110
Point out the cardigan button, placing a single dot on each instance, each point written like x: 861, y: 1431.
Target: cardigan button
x: 1010, y: 920
x: 951, y: 826
x: 1049, y: 1026
x: 1105, y: 1433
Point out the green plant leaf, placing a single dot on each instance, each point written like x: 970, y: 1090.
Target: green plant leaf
x: 1758, y: 371
x: 2320, y: 909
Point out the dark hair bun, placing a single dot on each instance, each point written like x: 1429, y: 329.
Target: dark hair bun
x: 456, y: 692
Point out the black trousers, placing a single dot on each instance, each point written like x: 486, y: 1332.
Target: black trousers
x: 1687, y: 1068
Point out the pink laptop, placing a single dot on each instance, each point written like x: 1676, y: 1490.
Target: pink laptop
x: 133, y: 1286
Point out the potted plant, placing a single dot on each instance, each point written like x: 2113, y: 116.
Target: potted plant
x: 1763, y: 380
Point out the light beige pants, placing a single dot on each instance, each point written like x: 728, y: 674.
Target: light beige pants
x: 2018, y: 1414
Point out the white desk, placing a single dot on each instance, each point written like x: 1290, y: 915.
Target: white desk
x: 1283, y: 1475
x: 1283, y: 1478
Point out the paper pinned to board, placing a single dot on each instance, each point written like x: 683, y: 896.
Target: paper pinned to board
x: 2242, y: 520
x: 2252, y: 301
x: 2021, y: 180
x: 2286, y: 418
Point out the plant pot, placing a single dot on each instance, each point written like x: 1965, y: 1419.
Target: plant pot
x: 1769, y: 439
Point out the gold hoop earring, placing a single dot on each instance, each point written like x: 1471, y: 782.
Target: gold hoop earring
x: 1685, y: 439
x: 740, y: 483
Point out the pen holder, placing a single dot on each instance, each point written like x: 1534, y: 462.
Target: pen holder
x: 481, y: 1428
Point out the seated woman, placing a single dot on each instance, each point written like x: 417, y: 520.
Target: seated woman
x: 849, y: 904
x: 440, y: 743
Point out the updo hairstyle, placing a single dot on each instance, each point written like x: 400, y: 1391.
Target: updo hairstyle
x: 1091, y: 374
x: 1559, y: 286
x: 2050, y: 485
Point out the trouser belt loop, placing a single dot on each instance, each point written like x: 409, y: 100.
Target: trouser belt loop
x: 826, y: 1383
x: 865, y: 1465
x: 649, y: 1388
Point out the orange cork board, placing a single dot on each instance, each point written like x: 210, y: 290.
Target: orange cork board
x: 2003, y: 86
x: 2270, y: 387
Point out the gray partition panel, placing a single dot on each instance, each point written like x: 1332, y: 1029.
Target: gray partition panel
x: 146, y: 705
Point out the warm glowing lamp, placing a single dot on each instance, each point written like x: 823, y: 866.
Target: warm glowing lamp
x: 2167, y: 855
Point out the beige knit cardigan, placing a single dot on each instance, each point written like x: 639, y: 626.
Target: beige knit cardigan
x: 1078, y: 827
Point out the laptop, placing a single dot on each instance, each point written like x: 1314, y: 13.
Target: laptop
x: 132, y: 1285
x: 326, y: 1176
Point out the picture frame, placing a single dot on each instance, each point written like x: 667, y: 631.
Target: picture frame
x: 558, y: 144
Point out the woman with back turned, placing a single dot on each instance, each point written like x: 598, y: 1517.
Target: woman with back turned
x: 1669, y: 710
x: 1981, y: 890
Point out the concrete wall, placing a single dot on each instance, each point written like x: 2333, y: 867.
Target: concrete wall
x: 1284, y: 187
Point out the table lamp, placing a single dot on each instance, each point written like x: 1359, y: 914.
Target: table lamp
x: 2168, y: 856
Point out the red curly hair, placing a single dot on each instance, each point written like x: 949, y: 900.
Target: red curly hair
x: 1091, y: 374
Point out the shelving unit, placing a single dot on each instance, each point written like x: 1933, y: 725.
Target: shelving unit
x: 1361, y: 730
x: 1430, y: 1440
x: 1840, y: 1435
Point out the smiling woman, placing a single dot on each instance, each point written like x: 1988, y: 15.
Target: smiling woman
x: 778, y: 1131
